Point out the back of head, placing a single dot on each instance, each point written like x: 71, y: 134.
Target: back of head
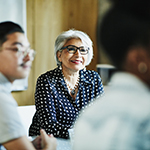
x: 125, y: 25
x: 137, y: 7
x: 7, y: 28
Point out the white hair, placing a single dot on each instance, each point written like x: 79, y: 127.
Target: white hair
x: 67, y: 35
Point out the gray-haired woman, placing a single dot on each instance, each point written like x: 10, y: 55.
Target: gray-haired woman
x: 63, y: 92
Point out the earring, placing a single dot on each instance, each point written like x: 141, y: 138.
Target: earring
x: 84, y: 69
x: 142, y: 68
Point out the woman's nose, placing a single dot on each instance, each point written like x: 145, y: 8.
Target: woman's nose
x: 77, y: 52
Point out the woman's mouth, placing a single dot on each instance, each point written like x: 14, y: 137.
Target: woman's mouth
x: 76, y: 61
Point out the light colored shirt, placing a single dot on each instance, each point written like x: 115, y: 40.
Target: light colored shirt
x: 119, y: 121
x: 10, y: 123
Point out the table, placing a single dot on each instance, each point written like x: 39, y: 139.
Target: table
x: 63, y: 144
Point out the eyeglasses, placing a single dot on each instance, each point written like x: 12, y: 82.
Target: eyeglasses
x: 72, y: 49
x: 24, y: 53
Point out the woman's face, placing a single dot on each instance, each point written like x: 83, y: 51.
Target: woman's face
x: 72, y: 62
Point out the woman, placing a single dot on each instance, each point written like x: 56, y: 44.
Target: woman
x: 62, y: 93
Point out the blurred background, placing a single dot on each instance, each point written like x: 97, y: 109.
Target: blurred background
x: 45, y: 20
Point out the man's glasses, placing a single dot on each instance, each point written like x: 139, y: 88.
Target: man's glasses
x: 72, y: 49
x: 24, y: 53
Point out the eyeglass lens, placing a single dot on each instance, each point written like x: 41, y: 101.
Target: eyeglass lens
x: 72, y: 49
x: 26, y: 52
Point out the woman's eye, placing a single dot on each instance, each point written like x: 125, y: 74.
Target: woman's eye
x: 71, y: 49
x: 82, y: 50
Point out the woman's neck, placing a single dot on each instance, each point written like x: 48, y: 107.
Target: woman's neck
x: 71, y: 76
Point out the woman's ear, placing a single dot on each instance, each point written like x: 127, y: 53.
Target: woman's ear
x: 59, y: 55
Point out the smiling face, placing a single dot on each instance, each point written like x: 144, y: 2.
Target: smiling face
x: 14, y: 65
x: 72, y: 62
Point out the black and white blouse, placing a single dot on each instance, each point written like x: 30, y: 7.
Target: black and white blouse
x: 56, y: 110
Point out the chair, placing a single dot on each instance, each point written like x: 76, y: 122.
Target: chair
x: 26, y: 114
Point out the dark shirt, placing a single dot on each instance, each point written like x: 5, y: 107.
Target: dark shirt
x: 56, y: 110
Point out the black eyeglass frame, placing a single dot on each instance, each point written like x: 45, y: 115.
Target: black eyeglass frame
x: 76, y: 48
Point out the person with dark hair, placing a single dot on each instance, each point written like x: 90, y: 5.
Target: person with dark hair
x: 121, y: 121
x: 16, y: 58
x: 62, y: 93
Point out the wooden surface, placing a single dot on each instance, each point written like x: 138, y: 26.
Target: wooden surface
x: 46, y: 19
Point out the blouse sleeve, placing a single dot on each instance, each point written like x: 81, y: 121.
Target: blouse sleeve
x: 99, y: 89
x: 46, y: 106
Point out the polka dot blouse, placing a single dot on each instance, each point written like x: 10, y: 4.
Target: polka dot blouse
x: 56, y: 110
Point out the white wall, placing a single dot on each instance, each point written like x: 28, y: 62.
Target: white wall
x: 15, y: 10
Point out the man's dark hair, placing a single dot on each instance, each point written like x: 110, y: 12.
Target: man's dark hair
x: 7, y: 28
x: 124, y: 26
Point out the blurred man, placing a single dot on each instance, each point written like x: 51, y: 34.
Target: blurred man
x: 121, y: 120
x: 16, y: 58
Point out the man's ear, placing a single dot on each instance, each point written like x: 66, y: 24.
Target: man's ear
x: 59, y: 55
x: 134, y: 57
